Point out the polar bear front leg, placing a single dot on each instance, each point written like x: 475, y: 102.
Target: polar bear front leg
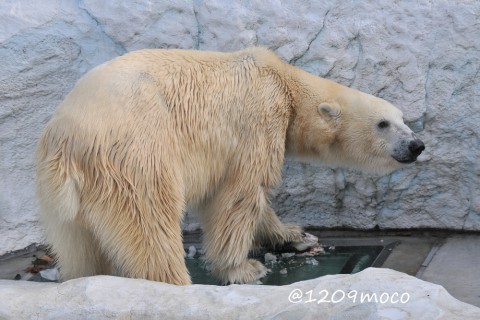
x: 230, y: 221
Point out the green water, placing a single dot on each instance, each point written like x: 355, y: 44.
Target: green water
x: 341, y: 260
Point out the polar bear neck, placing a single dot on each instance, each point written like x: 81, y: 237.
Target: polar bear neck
x: 308, y: 92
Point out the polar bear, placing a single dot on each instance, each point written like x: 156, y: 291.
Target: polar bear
x: 146, y: 135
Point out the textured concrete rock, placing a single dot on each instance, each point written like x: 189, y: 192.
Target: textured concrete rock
x: 370, y: 294
x: 421, y: 56
x: 42, y: 57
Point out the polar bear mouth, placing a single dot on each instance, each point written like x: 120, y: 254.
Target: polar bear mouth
x: 406, y: 161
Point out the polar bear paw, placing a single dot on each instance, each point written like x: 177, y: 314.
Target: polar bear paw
x: 293, y: 233
x: 308, y: 240
x: 250, y: 271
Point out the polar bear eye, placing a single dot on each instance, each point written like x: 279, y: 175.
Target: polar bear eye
x: 383, y: 124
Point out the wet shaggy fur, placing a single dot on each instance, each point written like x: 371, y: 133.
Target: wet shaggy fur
x: 144, y: 136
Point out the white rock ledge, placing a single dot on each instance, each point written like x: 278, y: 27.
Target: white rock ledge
x: 104, y: 297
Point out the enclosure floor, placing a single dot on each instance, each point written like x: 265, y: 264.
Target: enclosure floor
x: 450, y: 260
x: 456, y: 266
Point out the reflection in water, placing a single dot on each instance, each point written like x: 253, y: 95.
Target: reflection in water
x: 287, y: 270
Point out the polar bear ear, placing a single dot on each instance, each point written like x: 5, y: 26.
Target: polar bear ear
x: 329, y: 111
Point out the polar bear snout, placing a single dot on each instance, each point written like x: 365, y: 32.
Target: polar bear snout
x: 416, y: 147
x: 408, y: 150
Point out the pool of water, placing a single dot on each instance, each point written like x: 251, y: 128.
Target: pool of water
x: 340, y: 256
x: 287, y: 270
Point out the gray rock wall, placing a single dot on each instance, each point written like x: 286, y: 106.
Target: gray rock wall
x: 423, y: 56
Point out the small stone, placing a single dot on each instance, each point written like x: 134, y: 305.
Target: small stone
x: 311, y: 261
x: 288, y: 255
x: 191, y: 252
x: 283, y: 271
x: 270, y: 258
x: 50, y: 274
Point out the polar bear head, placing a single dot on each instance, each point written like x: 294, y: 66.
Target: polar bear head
x: 343, y: 127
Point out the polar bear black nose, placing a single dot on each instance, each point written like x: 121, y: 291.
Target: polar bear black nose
x: 416, y: 147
